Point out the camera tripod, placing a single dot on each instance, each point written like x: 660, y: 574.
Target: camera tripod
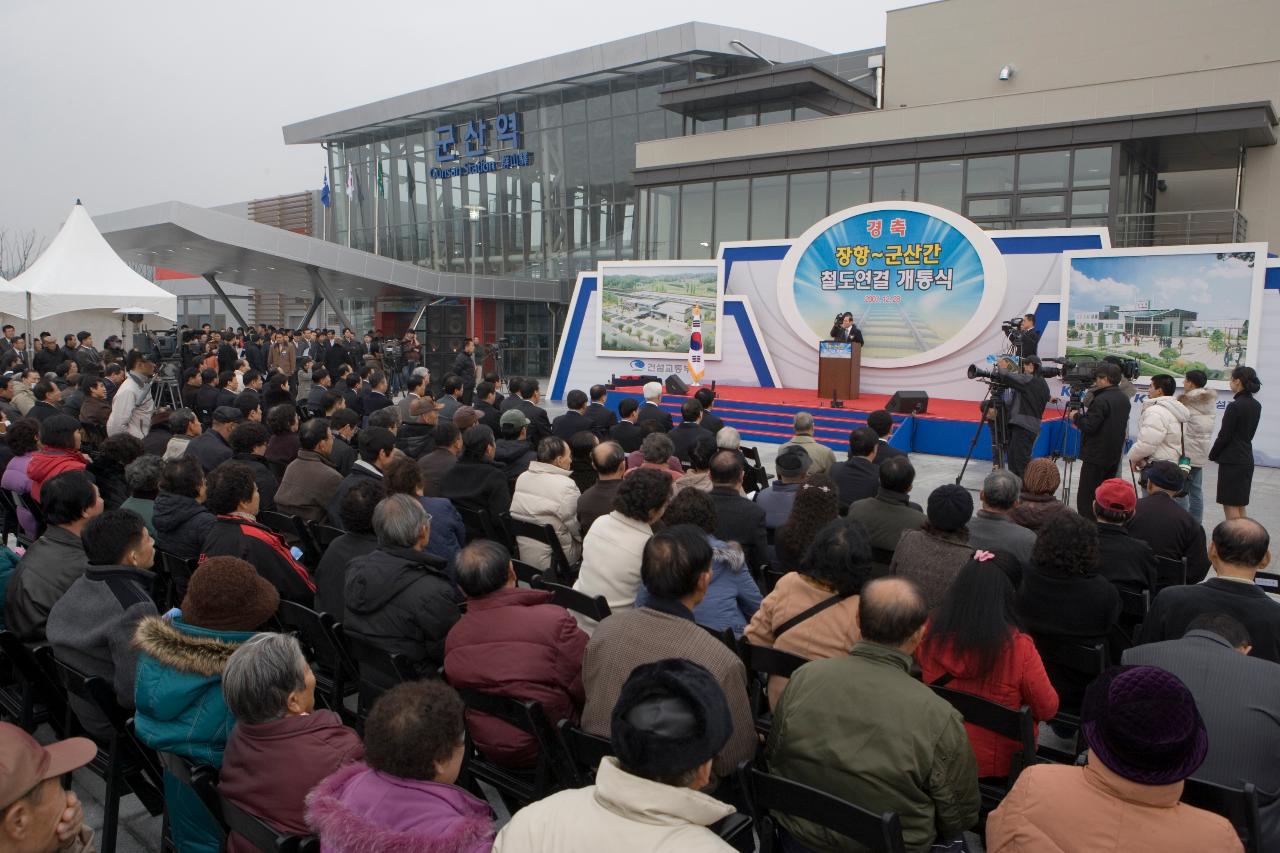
x: 999, y: 426
x: 1062, y: 452
x: 164, y: 384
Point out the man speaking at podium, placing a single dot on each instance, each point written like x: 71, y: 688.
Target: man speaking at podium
x: 845, y: 330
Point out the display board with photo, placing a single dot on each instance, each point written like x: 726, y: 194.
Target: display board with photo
x: 647, y: 308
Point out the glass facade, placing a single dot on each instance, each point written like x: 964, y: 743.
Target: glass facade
x: 1039, y: 189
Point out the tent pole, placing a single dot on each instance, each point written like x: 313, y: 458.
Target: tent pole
x: 30, y: 352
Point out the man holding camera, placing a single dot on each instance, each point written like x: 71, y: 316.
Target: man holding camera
x: 1025, y: 397
x: 464, y: 367
x: 844, y: 329
x: 1023, y: 336
x: 1103, y: 426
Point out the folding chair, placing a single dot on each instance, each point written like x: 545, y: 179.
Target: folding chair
x: 324, y: 534
x: 1237, y: 805
x: 724, y: 635
x: 336, y: 673
x: 34, y: 696
x: 1015, y: 725
x: 525, y: 573
x: 560, y: 568
x: 770, y: 577
x: 9, y: 511
x: 755, y: 477
x: 518, y: 788
x: 479, y: 525
x: 770, y: 663
x: 1171, y: 572
x: 32, y: 506
x: 377, y: 670
x: 294, y: 531
x: 1064, y: 656
x: 591, y: 606
x: 768, y: 796
x: 583, y: 753
x: 179, y: 571
x: 1134, y: 606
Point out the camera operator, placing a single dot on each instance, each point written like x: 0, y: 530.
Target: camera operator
x: 1103, y: 427
x: 1025, y: 398
x: 1023, y: 336
x: 844, y: 329
x: 464, y: 367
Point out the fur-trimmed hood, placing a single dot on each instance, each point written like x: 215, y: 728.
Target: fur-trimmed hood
x: 1200, y: 400
x: 187, y: 648
x: 359, y: 810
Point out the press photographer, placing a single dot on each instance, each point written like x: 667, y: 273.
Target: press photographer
x: 1103, y: 425
x: 1022, y: 335
x: 1024, y: 394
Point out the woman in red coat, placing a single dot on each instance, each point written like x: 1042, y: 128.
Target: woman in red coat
x: 974, y: 645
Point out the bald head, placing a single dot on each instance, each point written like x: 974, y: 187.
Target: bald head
x: 1240, y: 545
x: 607, y: 458
x: 892, y: 612
x: 803, y: 423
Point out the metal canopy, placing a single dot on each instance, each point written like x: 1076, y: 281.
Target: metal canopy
x: 205, y: 242
x: 820, y: 89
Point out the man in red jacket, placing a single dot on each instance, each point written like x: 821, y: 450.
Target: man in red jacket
x: 513, y: 642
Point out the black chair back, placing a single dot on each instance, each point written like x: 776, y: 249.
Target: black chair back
x: 761, y: 663
x: 1237, y: 805
x: 255, y: 830
x: 592, y: 606
x: 1171, y: 572
x: 32, y: 506
x: 528, y: 717
x: 179, y: 572
x: 9, y: 512
x: 479, y: 525
x: 294, y: 531
x: 724, y: 635
x: 377, y: 670
x: 770, y: 576
x: 768, y: 795
x: 583, y: 751
x: 36, y: 696
x: 334, y: 669
x: 560, y: 567
x: 324, y: 534
x: 525, y: 573
x: 1267, y: 581
x: 1016, y: 725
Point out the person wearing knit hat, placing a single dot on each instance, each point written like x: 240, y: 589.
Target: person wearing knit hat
x: 671, y: 718
x: 1145, y: 737
x: 1038, y: 501
x: 178, y: 693
x: 935, y: 554
x: 1122, y: 559
x: 36, y: 814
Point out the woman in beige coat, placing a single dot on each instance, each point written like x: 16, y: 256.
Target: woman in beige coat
x: 546, y: 494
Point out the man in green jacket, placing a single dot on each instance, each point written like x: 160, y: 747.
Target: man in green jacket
x: 861, y: 728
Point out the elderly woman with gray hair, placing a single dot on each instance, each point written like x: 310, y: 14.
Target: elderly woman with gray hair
x: 142, y: 476
x: 281, y: 746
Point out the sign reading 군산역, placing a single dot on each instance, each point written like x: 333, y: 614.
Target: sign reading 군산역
x: 470, y: 141
x: 920, y: 281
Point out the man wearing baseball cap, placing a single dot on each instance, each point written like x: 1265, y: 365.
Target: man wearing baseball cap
x: 36, y: 814
x: 1125, y: 561
x: 1165, y: 525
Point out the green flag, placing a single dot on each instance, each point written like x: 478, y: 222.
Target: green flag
x: 381, y: 191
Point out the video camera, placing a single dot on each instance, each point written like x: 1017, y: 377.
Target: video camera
x: 975, y: 372
x: 392, y: 349
x: 1081, y: 373
x: 161, y: 346
x: 1012, y: 328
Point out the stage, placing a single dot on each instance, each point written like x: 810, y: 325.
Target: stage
x: 765, y: 415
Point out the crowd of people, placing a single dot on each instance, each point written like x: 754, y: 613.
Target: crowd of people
x: 304, y: 473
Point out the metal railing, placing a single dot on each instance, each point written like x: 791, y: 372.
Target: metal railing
x: 1179, y: 227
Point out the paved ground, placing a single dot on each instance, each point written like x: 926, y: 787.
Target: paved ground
x: 141, y: 832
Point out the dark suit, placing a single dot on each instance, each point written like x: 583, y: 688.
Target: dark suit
x: 855, y: 479
x: 1172, y: 533
x: 1125, y: 560
x: 649, y: 411
x: 373, y: 401
x: 885, y: 451
x: 852, y: 334
x: 602, y: 418
x: 490, y: 416
x: 626, y: 434
x: 509, y: 402
x: 684, y: 437
x: 711, y: 423
x: 539, y: 423
x: 741, y: 520
x: 1103, y: 429
x: 1239, y: 699
x: 1176, y: 606
x: 570, y: 424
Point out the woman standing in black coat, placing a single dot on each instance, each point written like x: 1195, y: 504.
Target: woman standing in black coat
x: 1233, y: 449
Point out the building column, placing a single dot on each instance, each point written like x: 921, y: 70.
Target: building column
x: 320, y: 290
x: 316, y: 299
x: 226, y: 300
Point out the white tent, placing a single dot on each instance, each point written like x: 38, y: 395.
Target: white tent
x: 76, y: 284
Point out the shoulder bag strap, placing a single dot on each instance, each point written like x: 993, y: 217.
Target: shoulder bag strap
x: 806, y: 614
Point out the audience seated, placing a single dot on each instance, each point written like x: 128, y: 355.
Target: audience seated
x: 890, y: 513
x: 212, y: 446
x: 107, y: 467
x: 233, y: 497
x: 38, y: 814
x: 699, y: 474
x: 687, y: 432
x: 992, y: 529
x: 377, y: 450
x: 446, y: 448
x: 611, y: 552
x: 419, y: 419
x: 182, y: 520
x: 476, y: 480
x: 820, y: 456
x: 575, y: 419
x: 283, y: 445
x: 1239, y: 699
x: 397, y: 596
x: 143, y: 478
x: 545, y: 494
x: 282, y: 746
x: 1167, y: 528
x: 486, y: 401
x: 676, y: 570
x: 448, y: 533
x: 402, y: 797
x: 512, y: 641
x: 514, y: 449
x: 792, y: 466
x: 248, y: 444
x: 859, y: 727
x: 23, y: 440
x: 857, y: 478
x: 1037, y: 500
x: 650, y: 410
x: 1145, y: 737
x: 738, y: 519
x: 357, y: 540
x: 817, y: 503
x: 1239, y: 550
x: 1125, y: 561
x: 732, y: 597
x: 670, y: 721
x: 656, y: 452
x: 601, y: 416
x: 55, y: 560
x: 183, y: 427
x: 310, y: 480
x: 610, y: 465
x: 343, y: 422
x: 811, y: 611
x: 178, y: 695
x: 934, y: 554
x: 974, y: 644
x: 881, y: 420
x: 59, y: 452
x: 91, y: 626
x: 581, y: 471
x: 626, y: 431
x: 1063, y: 597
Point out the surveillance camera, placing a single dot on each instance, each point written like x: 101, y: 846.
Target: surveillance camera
x: 1006, y: 72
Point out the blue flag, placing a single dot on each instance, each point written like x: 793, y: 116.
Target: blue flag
x: 324, y: 191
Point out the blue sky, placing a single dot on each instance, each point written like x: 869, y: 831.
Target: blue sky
x: 1199, y: 282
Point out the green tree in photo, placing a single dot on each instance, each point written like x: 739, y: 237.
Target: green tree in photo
x: 1217, y: 341
x: 1088, y: 338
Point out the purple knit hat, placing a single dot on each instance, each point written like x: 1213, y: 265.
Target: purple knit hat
x: 1142, y: 722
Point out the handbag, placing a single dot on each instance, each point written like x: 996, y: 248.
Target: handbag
x: 1184, y: 463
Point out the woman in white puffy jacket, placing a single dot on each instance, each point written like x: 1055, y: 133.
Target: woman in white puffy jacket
x: 546, y: 494
x: 1160, y: 426
x: 1202, y: 403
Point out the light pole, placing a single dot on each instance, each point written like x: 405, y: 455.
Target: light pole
x: 473, y: 217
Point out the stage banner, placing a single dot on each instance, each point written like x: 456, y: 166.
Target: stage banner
x: 921, y: 281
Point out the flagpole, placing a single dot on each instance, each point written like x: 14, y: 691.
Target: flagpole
x: 377, y: 204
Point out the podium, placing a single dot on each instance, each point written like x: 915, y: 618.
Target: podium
x: 839, y: 369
